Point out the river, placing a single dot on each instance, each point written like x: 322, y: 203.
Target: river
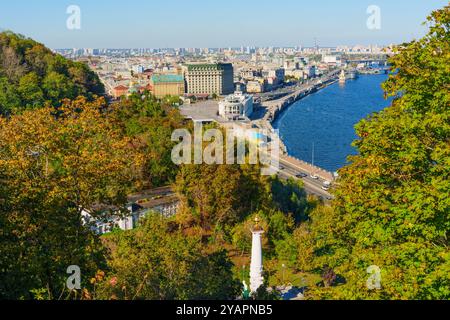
x: 325, y: 120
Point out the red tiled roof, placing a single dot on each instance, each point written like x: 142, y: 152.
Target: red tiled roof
x: 121, y: 88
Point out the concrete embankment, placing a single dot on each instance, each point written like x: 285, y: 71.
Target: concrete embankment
x: 305, y: 167
x: 276, y: 107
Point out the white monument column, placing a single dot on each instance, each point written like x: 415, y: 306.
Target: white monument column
x: 256, y: 266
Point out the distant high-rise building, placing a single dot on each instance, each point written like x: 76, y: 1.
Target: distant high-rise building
x: 214, y: 78
x: 88, y: 52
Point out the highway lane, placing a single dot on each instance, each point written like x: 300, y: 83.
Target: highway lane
x: 311, y: 186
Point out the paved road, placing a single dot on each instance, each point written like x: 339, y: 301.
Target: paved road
x: 305, y: 167
x: 312, y: 186
x: 289, y: 89
x: 273, y: 106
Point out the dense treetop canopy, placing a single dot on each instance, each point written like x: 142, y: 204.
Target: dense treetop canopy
x: 392, y: 204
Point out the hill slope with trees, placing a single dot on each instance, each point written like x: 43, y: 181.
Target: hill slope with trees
x: 32, y: 76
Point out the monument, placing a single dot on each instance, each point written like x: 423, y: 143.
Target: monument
x: 256, y: 267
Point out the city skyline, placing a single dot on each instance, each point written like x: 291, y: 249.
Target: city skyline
x: 219, y: 158
x: 141, y: 24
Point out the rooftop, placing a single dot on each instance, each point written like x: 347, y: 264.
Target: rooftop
x: 214, y: 66
x: 167, y: 78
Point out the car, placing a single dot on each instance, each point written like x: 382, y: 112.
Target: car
x: 326, y: 185
x: 301, y: 175
x: 313, y: 176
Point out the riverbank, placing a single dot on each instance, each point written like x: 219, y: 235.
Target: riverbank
x: 285, y: 106
x: 327, y: 119
x: 275, y: 108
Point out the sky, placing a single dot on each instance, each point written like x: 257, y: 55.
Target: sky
x: 215, y: 23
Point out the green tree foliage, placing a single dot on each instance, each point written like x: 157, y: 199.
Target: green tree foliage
x: 222, y: 194
x: 150, y: 124
x: 242, y: 235
x: 289, y: 196
x: 158, y: 261
x: 392, y: 202
x: 32, y: 76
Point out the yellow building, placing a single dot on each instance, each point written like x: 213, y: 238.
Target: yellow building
x: 167, y: 84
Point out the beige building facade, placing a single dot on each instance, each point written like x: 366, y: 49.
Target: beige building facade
x: 217, y: 78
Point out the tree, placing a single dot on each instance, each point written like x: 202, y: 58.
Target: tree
x: 290, y: 197
x: 242, y: 234
x: 222, y: 194
x: 53, y: 166
x: 157, y: 261
x: 12, y: 65
x: 30, y: 91
x: 392, y: 206
x: 150, y: 124
x: 9, y: 97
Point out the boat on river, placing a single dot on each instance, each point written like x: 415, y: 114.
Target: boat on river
x: 342, y: 77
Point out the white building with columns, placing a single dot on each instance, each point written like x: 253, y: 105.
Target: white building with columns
x: 236, y: 106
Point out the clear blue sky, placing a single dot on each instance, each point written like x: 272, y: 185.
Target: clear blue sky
x: 213, y: 23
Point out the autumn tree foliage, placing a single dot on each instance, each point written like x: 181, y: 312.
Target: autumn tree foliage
x: 55, y: 163
x: 392, y: 203
x: 221, y: 195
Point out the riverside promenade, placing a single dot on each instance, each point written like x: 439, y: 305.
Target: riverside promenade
x: 305, y: 167
x: 275, y: 107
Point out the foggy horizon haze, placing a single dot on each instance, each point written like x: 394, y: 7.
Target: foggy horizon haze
x: 212, y: 24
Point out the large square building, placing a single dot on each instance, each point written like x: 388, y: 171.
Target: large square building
x: 213, y: 78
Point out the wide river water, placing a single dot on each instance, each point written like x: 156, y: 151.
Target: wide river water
x: 326, y: 119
